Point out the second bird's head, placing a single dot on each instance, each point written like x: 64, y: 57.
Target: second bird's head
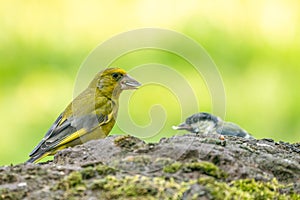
x: 112, y: 81
x: 199, y: 123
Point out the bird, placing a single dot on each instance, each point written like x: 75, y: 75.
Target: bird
x: 205, y: 123
x: 91, y: 115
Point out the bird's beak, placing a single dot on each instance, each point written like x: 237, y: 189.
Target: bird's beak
x: 129, y: 83
x: 182, y: 126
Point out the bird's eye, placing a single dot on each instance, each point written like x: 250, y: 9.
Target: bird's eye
x: 116, y: 76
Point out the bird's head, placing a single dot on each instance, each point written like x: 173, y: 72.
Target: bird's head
x: 199, y: 123
x: 112, y: 81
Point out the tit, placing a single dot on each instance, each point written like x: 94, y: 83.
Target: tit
x: 205, y: 123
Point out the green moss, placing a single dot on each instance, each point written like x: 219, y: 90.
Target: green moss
x: 98, y: 184
x: 12, y: 195
x: 140, y: 159
x: 73, y: 180
x: 8, y: 178
x: 162, y: 161
x: 37, y: 170
x: 73, y: 186
x: 139, y: 186
x: 245, y: 189
x: 126, y: 141
x: 207, y: 168
x: 137, y: 159
x: 143, y: 187
x: 251, y: 185
x: 105, y: 170
x: 88, y: 172
x: 172, y: 168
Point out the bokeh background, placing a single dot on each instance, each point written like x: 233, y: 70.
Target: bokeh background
x: 255, y: 44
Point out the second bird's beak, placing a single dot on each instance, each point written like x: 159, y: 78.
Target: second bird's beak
x: 182, y: 126
x: 129, y: 83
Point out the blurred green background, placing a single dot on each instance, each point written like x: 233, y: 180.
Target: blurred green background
x: 255, y: 44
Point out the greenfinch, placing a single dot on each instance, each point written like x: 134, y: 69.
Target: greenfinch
x: 91, y: 115
x: 207, y: 123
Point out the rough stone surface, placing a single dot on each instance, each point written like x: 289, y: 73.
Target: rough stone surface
x: 180, y: 167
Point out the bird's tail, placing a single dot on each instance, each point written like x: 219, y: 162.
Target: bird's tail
x: 31, y: 160
x: 37, y: 157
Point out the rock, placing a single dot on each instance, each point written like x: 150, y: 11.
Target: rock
x: 180, y: 167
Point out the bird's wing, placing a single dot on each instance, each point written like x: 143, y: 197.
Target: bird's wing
x: 79, y: 127
x: 48, y: 134
x: 67, y: 128
x: 66, y: 132
x: 231, y: 129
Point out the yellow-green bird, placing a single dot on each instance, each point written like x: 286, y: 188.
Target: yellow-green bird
x: 91, y: 115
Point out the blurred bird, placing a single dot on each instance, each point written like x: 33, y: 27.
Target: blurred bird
x: 91, y: 115
x: 205, y: 123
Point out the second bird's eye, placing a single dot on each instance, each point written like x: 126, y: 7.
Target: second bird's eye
x: 116, y: 76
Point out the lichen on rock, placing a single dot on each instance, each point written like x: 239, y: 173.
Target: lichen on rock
x: 180, y: 167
